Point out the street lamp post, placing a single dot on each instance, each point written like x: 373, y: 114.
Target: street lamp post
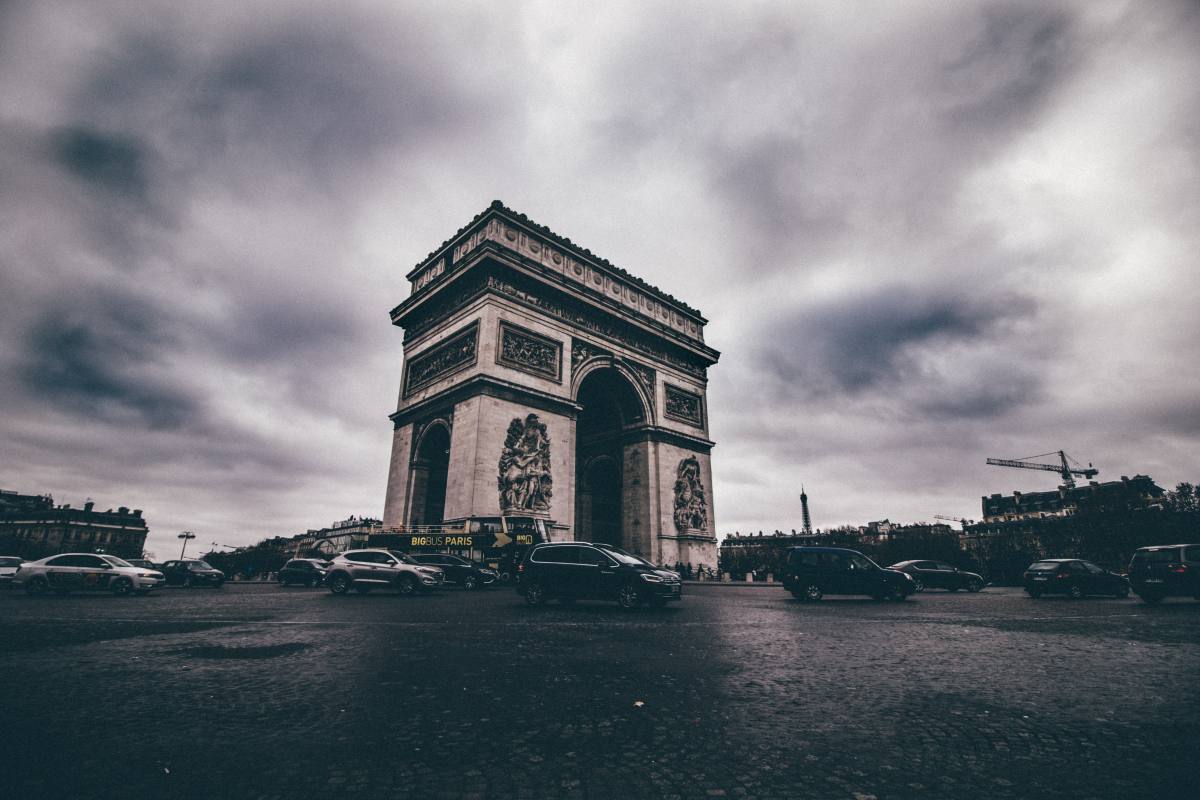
x: 185, y: 536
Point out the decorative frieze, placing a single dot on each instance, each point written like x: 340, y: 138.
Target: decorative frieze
x: 528, y: 351
x: 594, y: 323
x: 683, y: 405
x: 630, y: 292
x: 454, y: 354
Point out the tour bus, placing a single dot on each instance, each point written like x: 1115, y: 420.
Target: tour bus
x: 498, y: 542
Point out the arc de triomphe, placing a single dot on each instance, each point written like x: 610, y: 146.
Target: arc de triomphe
x: 540, y: 380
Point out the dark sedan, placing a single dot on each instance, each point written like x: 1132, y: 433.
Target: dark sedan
x: 192, y: 572
x: 303, y: 572
x: 940, y: 575
x: 467, y: 574
x: 1073, y: 577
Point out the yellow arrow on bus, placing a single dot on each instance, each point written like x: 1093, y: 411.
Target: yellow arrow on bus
x: 502, y: 539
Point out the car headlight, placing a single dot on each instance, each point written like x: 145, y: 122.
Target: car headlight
x: 148, y: 575
x: 646, y: 576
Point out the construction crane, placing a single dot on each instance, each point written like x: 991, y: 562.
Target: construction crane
x: 1064, y: 468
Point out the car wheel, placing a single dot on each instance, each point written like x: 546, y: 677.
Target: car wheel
x: 1035, y: 594
x: 892, y: 593
x: 121, y: 587
x: 315, y: 582
x: 974, y: 586
x: 918, y: 585
x: 1151, y: 598
x: 187, y: 582
x: 339, y: 584
x: 408, y: 585
x: 1076, y: 592
x: 284, y: 583
x: 470, y: 582
x: 812, y: 592
x: 629, y: 597
x: 36, y: 585
x: 535, y: 595
x: 1121, y: 593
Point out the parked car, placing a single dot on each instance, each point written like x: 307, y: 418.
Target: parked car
x: 303, y: 571
x: 813, y: 572
x: 1166, y: 571
x: 364, y: 570
x: 569, y: 571
x: 939, y: 575
x: 1073, y: 577
x: 143, y: 563
x: 71, y: 572
x: 192, y: 572
x: 8, y: 567
x: 467, y: 574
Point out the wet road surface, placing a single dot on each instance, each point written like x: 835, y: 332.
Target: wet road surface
x: 254, y: 691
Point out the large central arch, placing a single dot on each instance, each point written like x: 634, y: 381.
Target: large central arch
x: 611, y: 410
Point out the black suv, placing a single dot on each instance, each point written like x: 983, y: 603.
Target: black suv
x: 304, y: 571
x: 813, y: 572
x: 1167, y: 571
x: 939, y: 575
x: 191, y: 572
x: 464, y: 572
x: 568, y: 571
x: 1073, y: 577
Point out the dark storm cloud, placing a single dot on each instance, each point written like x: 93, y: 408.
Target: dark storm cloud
x: 113, y: 163
x: 907, y: 225
x: 875, y: 341
x: 95, y: 355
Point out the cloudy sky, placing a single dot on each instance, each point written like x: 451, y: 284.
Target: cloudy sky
x: 924, y: 234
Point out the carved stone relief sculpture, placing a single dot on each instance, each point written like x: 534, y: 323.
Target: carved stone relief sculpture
x: 524, y: 481
x: 691, y: 502
x: 450, y: 356
x: 527, y: 351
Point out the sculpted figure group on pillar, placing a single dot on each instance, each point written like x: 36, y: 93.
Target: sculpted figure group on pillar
x: 524, y: 481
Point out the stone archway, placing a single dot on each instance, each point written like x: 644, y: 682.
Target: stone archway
x: 611, y: 408
x: 430, y: 470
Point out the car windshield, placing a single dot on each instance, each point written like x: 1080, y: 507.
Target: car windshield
x: 1157, y: 556
x: 1044, y: 566
x: 198, y: 565
x: 625, y: 558
x: 116, y: 562
x: 404, y: 558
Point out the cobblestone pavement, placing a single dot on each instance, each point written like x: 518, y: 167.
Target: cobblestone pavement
x: 254, y: 691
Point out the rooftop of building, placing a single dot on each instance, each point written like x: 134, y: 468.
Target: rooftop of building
x: 581, y: 252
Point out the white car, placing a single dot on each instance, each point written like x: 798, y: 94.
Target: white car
x: 71, y: 572
x: 8, y: 567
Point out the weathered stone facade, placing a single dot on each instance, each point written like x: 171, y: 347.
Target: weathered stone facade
x: 566, y: 388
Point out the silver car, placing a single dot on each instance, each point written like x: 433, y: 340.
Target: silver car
x: 364, y: 570
x: 91, y: 572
